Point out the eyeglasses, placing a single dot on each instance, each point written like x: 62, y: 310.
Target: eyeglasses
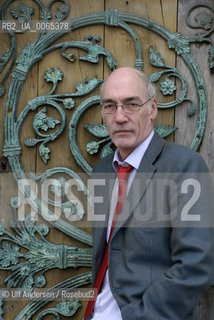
x: 128, y: 107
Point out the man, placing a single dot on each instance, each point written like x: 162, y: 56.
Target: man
x: 160, y: 252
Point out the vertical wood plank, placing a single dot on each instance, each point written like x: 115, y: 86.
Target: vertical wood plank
x: 29, y: 91
x: 61, y: 155
x: 73, y: 73
x: 204, y: 309
x: 184, y: 134
x: 122, y: 46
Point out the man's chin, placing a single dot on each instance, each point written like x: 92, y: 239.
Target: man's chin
x: 124, y: 147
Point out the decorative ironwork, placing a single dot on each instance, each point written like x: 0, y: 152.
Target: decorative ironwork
x: 1, y: 311
x: 27, y: 268
x: 65, y: 308
x: 40, y: 255
x: 22, y: 12
x: 203, y: 20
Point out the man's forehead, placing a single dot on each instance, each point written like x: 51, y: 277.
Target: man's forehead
x: 124, y: 76
x: 121, y: 98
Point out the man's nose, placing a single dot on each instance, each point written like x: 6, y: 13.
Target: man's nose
x: 120, y: 115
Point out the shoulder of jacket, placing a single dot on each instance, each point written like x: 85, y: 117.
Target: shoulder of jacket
x: 182, y: 156
x: 104, y: 165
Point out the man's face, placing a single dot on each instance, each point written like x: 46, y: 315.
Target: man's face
x: 127, y: 131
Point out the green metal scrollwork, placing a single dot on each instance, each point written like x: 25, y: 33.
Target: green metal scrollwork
x: 40, y: 255
x: 167, y: 86
x: 203, y: 20
x: 65, y: 308
x: 94, y: 51
x: 22, y: 12
x: 34, y: 306
x: 71, y: 208
x: 73, y: 131
x: 42, y: 121
x: 1, y: 310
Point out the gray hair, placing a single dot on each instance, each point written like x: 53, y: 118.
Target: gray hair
x: 150, y: 88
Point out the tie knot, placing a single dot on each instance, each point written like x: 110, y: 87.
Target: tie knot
x: 123, y: 172
x: 124, y: 169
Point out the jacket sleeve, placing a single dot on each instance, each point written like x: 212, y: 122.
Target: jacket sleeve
x: 174, y: 294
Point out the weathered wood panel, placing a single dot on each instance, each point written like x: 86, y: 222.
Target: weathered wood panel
x: 120, y: 44
x: 186, y: 126
x: 205, y: 308
x: 199, y: 51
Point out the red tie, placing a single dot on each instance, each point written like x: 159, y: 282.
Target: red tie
x: 122, y: 175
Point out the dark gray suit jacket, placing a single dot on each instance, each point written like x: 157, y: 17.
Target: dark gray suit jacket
x: 160, y: 261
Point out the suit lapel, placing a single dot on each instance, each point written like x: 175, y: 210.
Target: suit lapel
x: 100, y: 228
x: 145, y: 173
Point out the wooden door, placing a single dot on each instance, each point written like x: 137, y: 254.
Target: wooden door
x: 53, y: 59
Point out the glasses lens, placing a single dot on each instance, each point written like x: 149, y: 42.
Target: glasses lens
x: 108, y: 108
x: 131, y: 107
x: 127, y: 107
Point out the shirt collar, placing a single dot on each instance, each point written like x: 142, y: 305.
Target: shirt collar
x: 134, y: 158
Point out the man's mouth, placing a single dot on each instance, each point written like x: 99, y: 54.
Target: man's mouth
x: 122, y: 132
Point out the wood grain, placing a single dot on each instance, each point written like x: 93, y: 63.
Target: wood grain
x: 184, y: 134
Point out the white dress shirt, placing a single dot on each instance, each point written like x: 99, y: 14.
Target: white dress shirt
x: 106, y: 306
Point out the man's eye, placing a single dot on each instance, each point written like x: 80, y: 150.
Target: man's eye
x: 132, y: 105
x: 108, y: 106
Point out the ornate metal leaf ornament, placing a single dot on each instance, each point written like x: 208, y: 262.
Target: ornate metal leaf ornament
x: 99, y: 131
x: 167, y: 86
x: 65, y: 308
x: 25, y: 251
x: 179, y: 43
x: 22, y: 12
x: 203, y: 20
x: 40, y: 255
